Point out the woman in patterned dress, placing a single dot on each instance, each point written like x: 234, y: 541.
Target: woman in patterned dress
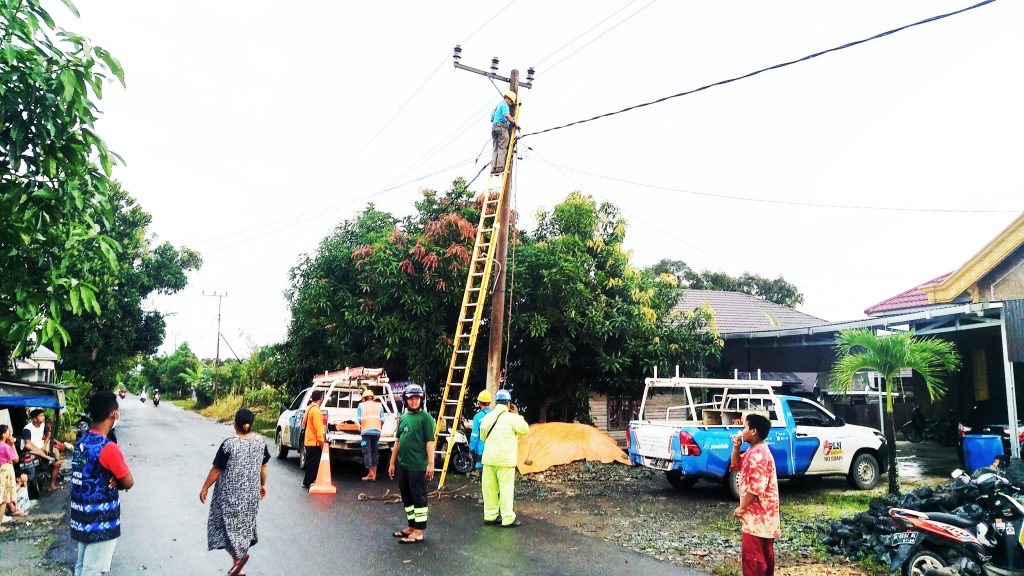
x: 240, y: 473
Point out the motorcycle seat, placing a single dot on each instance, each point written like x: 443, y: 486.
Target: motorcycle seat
x: 958, y: 521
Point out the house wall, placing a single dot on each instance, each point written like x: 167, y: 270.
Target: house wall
x: 655, y: 408
x: 1005, y: 281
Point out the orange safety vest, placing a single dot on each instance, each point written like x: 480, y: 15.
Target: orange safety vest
x: 370, y: 416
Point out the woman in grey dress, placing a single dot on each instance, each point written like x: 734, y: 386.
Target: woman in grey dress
x: 240, y: 473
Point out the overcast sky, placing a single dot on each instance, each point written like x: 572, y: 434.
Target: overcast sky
x: 248, y: 132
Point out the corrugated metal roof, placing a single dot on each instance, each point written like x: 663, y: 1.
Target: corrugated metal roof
x: 739, y: 312
x: 913, y: 298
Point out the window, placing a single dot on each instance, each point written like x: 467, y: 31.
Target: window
x: 621, y: 410
x: 297, y: 401
x: 807, y: 414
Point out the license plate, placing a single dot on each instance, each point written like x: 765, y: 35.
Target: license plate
x: 905, y: 538
x: 658, y: 463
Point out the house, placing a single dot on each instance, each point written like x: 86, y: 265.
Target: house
x: 979, y: 307
x: 733, y: 312
x: 38, y: 367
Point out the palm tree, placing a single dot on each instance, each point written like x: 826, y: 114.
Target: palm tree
x: 889, y: 354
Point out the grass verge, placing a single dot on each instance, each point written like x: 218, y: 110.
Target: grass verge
x: 186, y: 403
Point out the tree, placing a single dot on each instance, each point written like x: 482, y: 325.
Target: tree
x: 889, y: 354
x: 104, y: 347
x: 583, y: 319
x: 778, y: 290
x: 54, y: 176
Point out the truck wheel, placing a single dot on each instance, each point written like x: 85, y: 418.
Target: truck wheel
x: 282, y: 450
x: 677, y: 480
x: 922, y: 563
x: 302, y: 457
x: 732, y: 482
x: 864, y: 472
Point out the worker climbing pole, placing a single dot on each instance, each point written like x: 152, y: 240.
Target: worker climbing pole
x: 489, y: 250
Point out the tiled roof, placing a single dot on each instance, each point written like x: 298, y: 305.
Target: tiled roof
x: 913, y: 298
x: 739, y: 312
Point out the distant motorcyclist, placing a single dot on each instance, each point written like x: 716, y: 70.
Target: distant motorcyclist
x: 476, y: 445
x: 142, y: 396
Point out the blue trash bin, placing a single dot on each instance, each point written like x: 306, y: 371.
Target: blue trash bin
x: 980, y: 450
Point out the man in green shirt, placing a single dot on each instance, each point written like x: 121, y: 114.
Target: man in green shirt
x: 413, y: 456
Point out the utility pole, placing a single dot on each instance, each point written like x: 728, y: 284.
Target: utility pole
x: 216, y: 363
x: 497, y: 322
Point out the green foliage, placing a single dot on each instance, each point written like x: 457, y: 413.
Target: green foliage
x: 888, y: 354
x: 778, y: 290
x: 54, y: 177
x: 76, y: 399
x: 112, y: 344
x: 268, y: 397
x: 385, y: 292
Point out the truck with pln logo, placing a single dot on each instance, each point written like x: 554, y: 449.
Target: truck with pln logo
x: 685, y: 428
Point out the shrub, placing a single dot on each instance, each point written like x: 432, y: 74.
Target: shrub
x: 268, y: 397
x: 223, y: 409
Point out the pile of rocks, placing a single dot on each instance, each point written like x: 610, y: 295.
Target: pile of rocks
x: 869, y: 533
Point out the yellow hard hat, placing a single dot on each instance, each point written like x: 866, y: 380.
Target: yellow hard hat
x: 484, y: 397
x: 511, y: 96
x: 367, y: 393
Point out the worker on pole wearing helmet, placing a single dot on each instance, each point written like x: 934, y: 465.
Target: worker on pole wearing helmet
x: 500, y: 431
x: 370, y: 418
x: 413, y: 458
x: 476, y: 445
x: 501, y: 124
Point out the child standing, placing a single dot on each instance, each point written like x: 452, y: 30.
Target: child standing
x: 413, y: 456
x: 758, y: 511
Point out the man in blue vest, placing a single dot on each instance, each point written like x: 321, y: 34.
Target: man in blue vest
x: 476, y: 445
x: 98, y: 471
x: 501, y: 123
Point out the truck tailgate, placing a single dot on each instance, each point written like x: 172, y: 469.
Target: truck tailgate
x: 654, y: 444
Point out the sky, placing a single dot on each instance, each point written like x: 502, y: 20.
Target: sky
x: 251, y: 129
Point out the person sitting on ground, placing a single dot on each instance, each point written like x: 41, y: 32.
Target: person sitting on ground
x: 34, y: 441
x: 758, y: 511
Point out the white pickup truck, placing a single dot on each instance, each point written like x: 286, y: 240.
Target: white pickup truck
x: 685, y: 429
x: 342, y: 393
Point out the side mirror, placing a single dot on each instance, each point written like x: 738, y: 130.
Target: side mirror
x: 840, y: 421
x: 283, y: 407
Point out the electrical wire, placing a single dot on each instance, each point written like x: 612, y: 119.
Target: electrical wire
x: 488, y: 21
x: 780, y: 202
x: 584, y: 33
x: 599, y: 36
x: 756, y: 72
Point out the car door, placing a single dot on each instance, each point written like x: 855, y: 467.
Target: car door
x: 294, y: 425
x: 817, y: 439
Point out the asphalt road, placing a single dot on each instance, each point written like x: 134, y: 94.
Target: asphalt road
x: 164, y: 525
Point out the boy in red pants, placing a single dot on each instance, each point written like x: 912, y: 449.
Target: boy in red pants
x: 759, y: 497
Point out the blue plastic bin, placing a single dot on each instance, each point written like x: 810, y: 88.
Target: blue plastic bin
x: 980, y: 450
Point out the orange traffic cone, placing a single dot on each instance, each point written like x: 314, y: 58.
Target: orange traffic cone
x: 323, y: 483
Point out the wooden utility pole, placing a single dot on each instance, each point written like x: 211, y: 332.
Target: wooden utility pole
x: 497, y: 321
x: 216, y: 363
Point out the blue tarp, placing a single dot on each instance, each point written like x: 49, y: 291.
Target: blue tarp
x: 21, y: 394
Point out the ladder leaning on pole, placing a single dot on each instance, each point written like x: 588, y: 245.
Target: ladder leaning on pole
x: 468, y: 325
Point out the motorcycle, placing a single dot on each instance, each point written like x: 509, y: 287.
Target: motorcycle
x: 156, y: 399
x: 939, y: 544
x: 913, y: 430
x: 122, y: 393
x: 461, y: 459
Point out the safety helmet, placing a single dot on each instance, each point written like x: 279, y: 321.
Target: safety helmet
x: 367, y: 393
x: 511, y: 96
x: 412, y: 390
x: 485, y: 397
x: 503, y: 396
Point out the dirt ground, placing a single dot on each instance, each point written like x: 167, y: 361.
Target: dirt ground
x: 638, y: 509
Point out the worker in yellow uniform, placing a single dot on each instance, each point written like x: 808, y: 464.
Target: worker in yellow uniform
x: 500, y: 430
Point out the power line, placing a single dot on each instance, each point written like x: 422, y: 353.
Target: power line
x: 601, y: 35
x: 320, y: 213
x: 780, y: 202
x: 756, y: 72
x: 584, y: 33
x: 488, y: 21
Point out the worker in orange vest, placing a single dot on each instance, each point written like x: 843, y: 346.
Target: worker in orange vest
x: 313, y: 440
x: 369, y: 416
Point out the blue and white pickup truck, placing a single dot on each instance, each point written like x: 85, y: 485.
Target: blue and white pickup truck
x: 685, y: 427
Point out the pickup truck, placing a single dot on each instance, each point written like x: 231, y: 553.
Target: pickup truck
x: 342, y: 393
x: 685, y: 428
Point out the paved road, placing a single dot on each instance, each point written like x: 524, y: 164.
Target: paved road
x: 164, y: 524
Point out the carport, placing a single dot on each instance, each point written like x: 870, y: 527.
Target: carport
x: 15, y: 396
x: 989, y: 336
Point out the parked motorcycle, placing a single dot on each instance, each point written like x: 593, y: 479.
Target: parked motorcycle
x: 461, y: 459
x: 939, y: 544
x: 914, y: 429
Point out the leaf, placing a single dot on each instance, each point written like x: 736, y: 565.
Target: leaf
x: 105, y: 247
x: 67, y: 78
x: 71, y: 7
x: 76, y: 298
x: 112, y: 63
